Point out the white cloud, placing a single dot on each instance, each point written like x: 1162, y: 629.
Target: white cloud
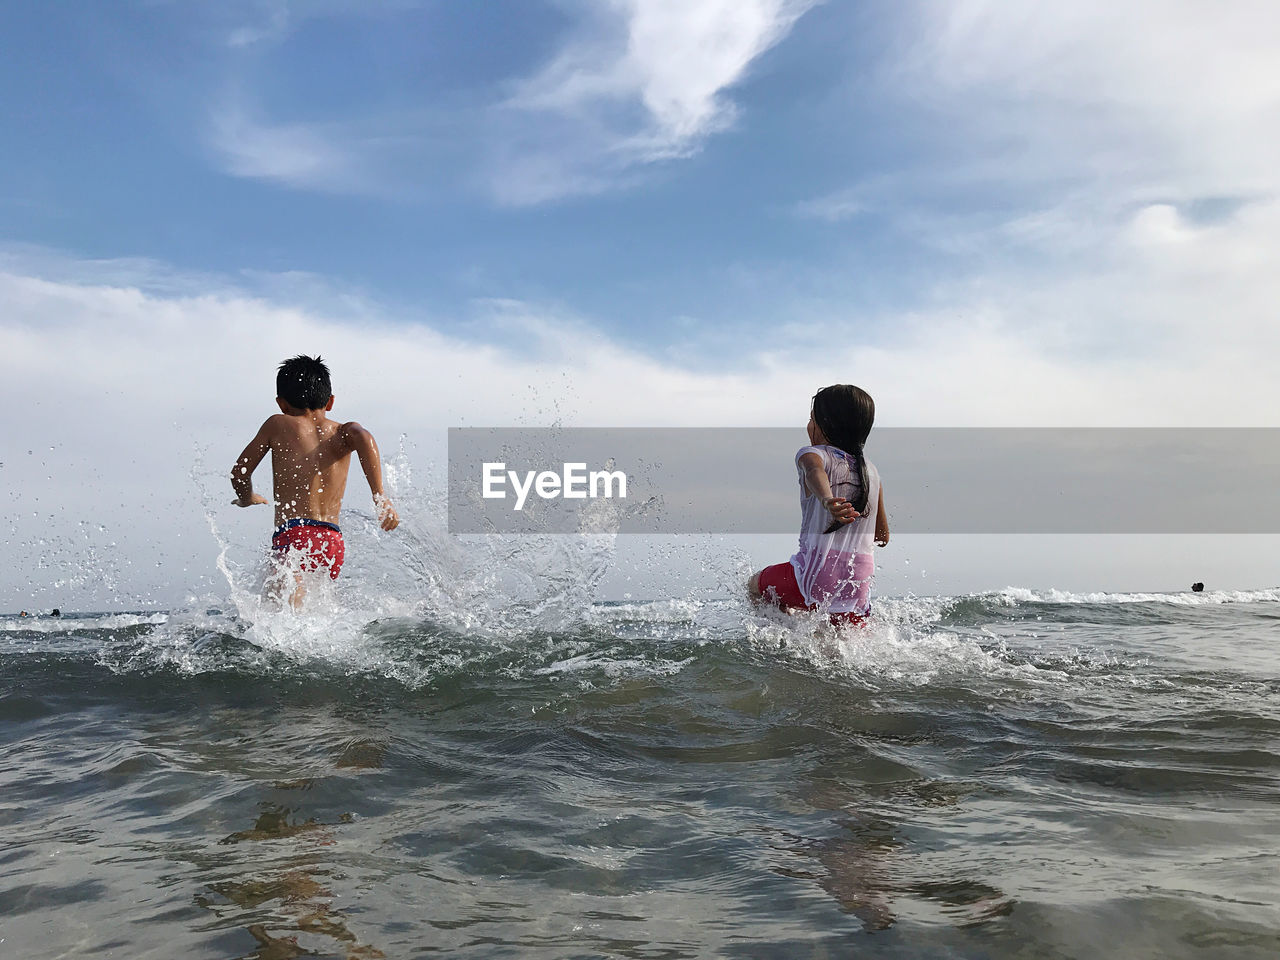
x: 637, y: 83
x: 675, y: 57
x: 1054, y: 122
x: 263, y: 22
x: 1182, y: 68
x: 1099, y: 175
x: 272, y: 22
x: 296, y: 154
x: 844, y: 204
x: 644, y: 81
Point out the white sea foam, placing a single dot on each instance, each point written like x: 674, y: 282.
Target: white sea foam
x: 901, y: 643
x: 1017, y: 595
x: 78, y: 621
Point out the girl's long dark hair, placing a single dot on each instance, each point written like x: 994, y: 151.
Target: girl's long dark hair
x: 844, y: 413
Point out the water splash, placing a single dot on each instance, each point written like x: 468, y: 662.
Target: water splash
x: 905, y: 642
x: 486, y: 591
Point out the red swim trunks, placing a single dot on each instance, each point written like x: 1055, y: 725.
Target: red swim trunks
x: 779, y: 587
x: 319, y: 543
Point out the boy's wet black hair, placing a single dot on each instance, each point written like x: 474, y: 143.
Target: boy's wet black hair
x: 844, y: 413
x: 303, y: 383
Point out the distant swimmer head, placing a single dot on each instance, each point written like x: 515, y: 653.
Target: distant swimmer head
x: 1197, y: 587
x: 302, y: 382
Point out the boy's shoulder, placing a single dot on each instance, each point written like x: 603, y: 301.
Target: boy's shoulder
x: 349, y: 434
x: 351, y: 429
x: 275, y: 424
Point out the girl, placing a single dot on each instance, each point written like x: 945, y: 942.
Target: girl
x: 832, y: 569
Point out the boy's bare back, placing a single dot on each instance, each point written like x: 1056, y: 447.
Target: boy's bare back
x: 309, y: 464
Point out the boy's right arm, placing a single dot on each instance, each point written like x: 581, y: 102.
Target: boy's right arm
x: 242, y: 472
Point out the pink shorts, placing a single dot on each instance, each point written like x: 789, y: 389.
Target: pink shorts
x: 320, y: 544
x: 779, y: 587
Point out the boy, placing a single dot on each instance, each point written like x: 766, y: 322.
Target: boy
x: 310, y: 456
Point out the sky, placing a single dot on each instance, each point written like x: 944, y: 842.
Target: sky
x: 619, y: 213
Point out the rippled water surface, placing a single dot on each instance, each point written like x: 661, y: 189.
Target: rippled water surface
x: 1007, y: 775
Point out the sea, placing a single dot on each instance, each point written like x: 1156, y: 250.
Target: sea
x: 460, y: 751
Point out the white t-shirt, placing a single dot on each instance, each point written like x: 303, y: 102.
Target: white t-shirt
x: 834, y: 570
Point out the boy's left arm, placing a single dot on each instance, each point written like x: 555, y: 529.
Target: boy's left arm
x: 366, y: 448
x: 246, y: 463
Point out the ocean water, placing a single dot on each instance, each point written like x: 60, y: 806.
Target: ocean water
x: 457, y: 751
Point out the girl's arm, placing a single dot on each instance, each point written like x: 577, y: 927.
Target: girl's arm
x: 882, y: 521
x: 816, y: 482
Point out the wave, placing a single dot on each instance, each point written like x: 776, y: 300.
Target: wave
x: 912, y: 643
x: 80, y: 621
x: 1022, y: 595
x: 918, y: 641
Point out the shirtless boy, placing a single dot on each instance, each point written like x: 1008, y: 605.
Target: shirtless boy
x: 310, y: 457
